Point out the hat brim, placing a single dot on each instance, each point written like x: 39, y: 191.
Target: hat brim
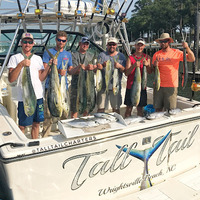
x: 159, y: 39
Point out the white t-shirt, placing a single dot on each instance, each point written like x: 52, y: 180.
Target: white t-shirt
x: 35, y: 67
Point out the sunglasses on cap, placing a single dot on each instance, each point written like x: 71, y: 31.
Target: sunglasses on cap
x: 25, y: 42
x: 112, y: 44
x: 59, y: 40
x: 164, y: 41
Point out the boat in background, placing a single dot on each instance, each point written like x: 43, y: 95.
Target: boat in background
x: 102, y: 156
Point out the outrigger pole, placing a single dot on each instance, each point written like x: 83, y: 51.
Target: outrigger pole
x: 115, y: 19
x: 76, y: 13
x: 13, y: 40
x: 58, y: 22
x: 38, y: 12
x: 21, y: 15
x: 123, y: 16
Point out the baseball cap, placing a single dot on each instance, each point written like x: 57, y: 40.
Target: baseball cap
x: 112, y: 39
x: 85, y: 39
x: 27, y: 35
x: 140, y: 40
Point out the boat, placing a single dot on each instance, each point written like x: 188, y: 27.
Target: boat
x: 98, y: 157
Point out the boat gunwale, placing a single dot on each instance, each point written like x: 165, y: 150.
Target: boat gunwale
x: 93, y: 142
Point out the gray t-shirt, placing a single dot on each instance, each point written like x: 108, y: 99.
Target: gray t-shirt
x: 120, y: 58
x: 78, y: 58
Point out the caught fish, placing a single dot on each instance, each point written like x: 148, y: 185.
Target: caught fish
x: 54, y: 97
x: 134, y: 119
x: 64, y: 93
x: 82, y: 123
x: 136, y: 87
x: 116, y: 79
x: 29, y: 97
x: 105, y: 116
x: 90, y: 89
x: 155, y: 115
x: 81, y: 103
x: 157, y: 78
x: 99, y: 80
x: 108, y: 74
x: 144, y: 77
x: 185, y: 69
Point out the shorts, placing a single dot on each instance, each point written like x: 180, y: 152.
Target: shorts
x: 165, y: 97
x: 38, y: 116
x: 115, y: 100
x: 143, y: 98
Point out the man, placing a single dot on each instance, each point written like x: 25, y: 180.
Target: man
x: 63, y: 57
x: 16, y: 65
x: 81, y: 59
x: 137, y: 59
x: 118, y: 61
x: 167, y: 60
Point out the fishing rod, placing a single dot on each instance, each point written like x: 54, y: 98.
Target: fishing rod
x: 59, y: 15
x: 93, y: 11
x: 185, y: 67
x: 123, y: 16
x: 38, y: 12
x: 102, y: 24
x: 115, y: 19
x: 21, y: 15
x: 76, y: 14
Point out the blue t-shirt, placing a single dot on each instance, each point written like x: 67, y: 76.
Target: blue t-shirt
x: 63, y: 56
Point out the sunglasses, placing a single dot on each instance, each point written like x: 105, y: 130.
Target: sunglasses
x: 164, y: 41
x: 59, y: 40
x: 111, y: 44
x: 25, y: 42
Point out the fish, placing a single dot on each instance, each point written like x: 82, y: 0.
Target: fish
x: 64, y: 93
x: 108, y: 74
x: 116, y: 78
x: 116, y: 81
x: 185, y: 70
x: 90, y: 89
x: 29, y: 97
x: 81, y: 102
x: 144, y: 155
x: 155, y: 115
x: 54, y: 97
x: 99, y: 80
x: 144, y: 77
x: 82, y: 123
x: 136, y: 87
x: 157, y: 78
x: 134, y: 119
x: 106, y: 116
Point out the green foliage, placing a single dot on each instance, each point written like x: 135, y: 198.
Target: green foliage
x: 159, y: 16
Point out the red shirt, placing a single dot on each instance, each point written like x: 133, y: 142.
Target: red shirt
x: 133, y: 59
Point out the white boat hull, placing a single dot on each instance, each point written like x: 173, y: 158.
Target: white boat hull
x: 92, y: 165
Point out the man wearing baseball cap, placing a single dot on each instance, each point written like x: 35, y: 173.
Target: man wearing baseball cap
x: 16, y: 65
x: 82, y: 59
x: 167, y: 60
x: 118, y: 61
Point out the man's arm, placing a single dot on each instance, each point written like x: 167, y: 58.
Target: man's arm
x: 190, y: 56
x: 14, y: 72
